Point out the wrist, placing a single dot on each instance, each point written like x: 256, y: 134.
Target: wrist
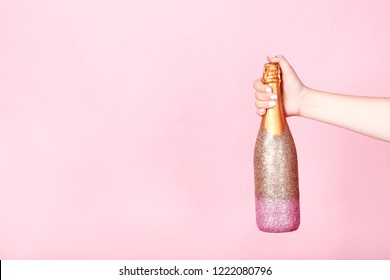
x: 303, y: 100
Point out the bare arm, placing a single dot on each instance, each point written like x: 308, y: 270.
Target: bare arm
x: 366, y: 115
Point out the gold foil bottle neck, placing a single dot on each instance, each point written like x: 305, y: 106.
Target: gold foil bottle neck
x: 271, y: 73
x: 274, y: 120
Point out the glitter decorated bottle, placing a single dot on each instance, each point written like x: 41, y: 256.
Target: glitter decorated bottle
x: 276, y: 165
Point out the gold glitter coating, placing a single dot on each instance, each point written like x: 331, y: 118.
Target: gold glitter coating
x: 276, y: 165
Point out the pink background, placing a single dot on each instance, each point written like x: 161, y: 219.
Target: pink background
x: 127, y: 128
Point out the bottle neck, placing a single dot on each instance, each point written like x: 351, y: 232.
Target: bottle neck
x: 274, y: 121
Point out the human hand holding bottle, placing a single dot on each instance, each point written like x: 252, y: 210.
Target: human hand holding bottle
x: 366, y: 115
x: 293, y: 90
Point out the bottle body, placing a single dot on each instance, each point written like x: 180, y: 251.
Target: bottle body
x: 276, y: 166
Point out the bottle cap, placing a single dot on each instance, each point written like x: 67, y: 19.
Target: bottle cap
x: 271, y: 73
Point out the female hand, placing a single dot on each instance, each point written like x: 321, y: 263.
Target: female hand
x: 293, y: 90
x: 336, y: 109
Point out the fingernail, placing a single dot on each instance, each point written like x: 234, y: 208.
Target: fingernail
x: 271, y: 56
x: 272, y: 103
x: 273, y: 97
x: 262, y: 111
x: 268, y: 89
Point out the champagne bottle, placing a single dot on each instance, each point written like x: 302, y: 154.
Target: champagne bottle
x: 276, y: 165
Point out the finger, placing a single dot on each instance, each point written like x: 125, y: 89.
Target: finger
x: 260, y: 104
x: 264, y: 96
x: 260, y: 112
x: 258, y: 85
x: 281, y: 60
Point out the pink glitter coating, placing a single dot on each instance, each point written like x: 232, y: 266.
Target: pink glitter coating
x: 277, y: 215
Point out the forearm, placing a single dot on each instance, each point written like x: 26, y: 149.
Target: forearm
x: 366, y: 115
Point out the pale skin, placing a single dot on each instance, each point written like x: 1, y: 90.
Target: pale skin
x: 365, y: 115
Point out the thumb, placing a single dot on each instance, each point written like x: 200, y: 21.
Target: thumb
x: 281, y: 60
